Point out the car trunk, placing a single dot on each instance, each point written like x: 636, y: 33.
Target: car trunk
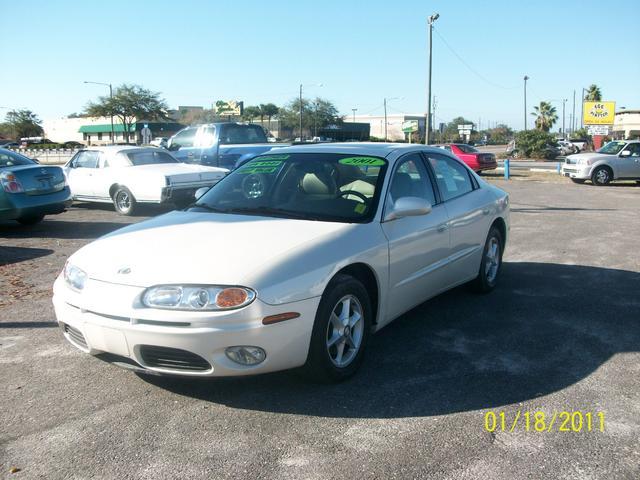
x: 39, y: 179
x: 485, y: 158
x: 182, y: 173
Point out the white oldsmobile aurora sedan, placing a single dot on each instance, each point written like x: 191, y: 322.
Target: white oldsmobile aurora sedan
x: 292, y: 260
x: 130, y: 175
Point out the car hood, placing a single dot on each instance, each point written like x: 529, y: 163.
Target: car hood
x: 200, y: 248
x: 588, y: 156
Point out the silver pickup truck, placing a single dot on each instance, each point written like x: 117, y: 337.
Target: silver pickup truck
x: 226, y: 145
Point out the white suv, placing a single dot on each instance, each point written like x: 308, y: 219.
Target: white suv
x: 617, y: 160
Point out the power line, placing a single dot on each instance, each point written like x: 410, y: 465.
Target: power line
x: 471, y: 68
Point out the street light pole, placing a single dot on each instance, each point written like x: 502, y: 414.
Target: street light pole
x: 432, y: 19
x: 113, y: 137
x: 573, y: 121
x: 300, y: 112
x: 385, y: 119
x: 525, y: 102
x: 582, y: 109
x: 564, y: 133
x: 354, y: 110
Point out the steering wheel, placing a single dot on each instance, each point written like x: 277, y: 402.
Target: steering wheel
x: 343, y: 193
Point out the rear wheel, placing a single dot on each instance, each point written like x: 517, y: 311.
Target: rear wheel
x: 578, y: 180
x: 340, y: 332
x: 601, y: 176
x: 124, y: 201
x: 30, y: 220
x: 491, y: 263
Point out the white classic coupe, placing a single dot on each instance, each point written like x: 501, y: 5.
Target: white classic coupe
x: 129, y: 175
x: 292, y: 260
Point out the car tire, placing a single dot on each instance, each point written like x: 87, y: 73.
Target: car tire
x: 578, y: 180
x: 491, y: 264
x: 124, y: 201
x: 601, y: 176
x: 331, y: 342
x: 30, y: 220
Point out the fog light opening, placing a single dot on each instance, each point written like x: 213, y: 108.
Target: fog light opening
x: 245, y: 355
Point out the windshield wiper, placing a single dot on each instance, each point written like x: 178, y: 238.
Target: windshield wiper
x: 270, y: 211
x: 207, y: 207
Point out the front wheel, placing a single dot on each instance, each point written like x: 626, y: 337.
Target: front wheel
x: 31, y: 220
x: 124, y: 201
x: 340, y: 332
x: 601, y: 176
x: 491, y: 263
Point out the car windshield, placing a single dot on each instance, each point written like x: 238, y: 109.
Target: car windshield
x: 467, y: 148
x: 311, y: 186
x: 612, y: 148
x: 10, y: 159
x: 149, y: 157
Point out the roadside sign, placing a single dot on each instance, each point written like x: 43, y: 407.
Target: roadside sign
x: 465, y: 127
x: 410, y: 126
x: 598, y: 130
x: 464, y: 132
x: 599, y: 113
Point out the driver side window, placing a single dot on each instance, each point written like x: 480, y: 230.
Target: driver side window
x: 86, y: 159
x: 634, y: 148
x: 411, y: 179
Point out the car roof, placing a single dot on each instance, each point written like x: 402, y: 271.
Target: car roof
x: 113, y: 149
x: 356, y: 148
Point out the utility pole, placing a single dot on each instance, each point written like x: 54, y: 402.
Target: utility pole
x: 573, y: 123
x: 564, y: 133
x: 525, y: 102
x: 354, y: 110
x: 582, y: 110
x: 113, y: 138
x: 300, y: 112
x: 432, y: 19
x: 385, y: 119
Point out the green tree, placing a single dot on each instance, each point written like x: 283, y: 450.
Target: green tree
x: 450, y: 133
x: 22, y: 123
x: 316, y: 115
x: 251, y: 112
x: 129, y: 103
x: 545, y: 115
x: 270, y: 110
x: 533, y: 143
x: 593, y: 93
x: 499, y: 135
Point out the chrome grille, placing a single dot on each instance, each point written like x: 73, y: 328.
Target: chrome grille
x: 172, y: 359
x: 75, y: 336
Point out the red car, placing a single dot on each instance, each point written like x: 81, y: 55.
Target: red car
x: 476, y: 160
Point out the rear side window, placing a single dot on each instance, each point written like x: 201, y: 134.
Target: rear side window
x: 451, y: 176
x: 149, y: 157
x: 467, y: 148
x: 9, y: 159
x: 238, y: 134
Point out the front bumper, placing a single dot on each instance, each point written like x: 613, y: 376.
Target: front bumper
x: 108, y: 318
x: 582, y: 172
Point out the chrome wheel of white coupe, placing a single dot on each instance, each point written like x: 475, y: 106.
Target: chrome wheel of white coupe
x: 345, y: 331
x: 492, y: 262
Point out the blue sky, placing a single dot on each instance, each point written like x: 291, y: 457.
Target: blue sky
x: 196, y: 52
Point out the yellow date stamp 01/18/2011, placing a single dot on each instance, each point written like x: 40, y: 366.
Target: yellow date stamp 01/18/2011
x: 539, y: 421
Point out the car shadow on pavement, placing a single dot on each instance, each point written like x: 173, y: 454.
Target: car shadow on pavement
x: 9, y: 255
x: 546, y: 327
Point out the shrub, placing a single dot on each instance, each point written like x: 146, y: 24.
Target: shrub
x: 533, y: 143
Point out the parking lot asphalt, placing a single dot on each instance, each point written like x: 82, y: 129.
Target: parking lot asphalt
x: 561, y: 333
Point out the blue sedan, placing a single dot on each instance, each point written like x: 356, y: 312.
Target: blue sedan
x: 28, y: 190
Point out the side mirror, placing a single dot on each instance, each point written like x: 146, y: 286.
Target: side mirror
x: 200, y: 192
x: 625, y: 153
x: 408, y: 207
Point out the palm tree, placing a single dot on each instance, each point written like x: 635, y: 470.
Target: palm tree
x: 593, y: 94
x: 249, y: 113
x: 545, y: 115
x: 270, y: 110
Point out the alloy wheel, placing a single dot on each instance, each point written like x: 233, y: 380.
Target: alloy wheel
x: 345, y: 331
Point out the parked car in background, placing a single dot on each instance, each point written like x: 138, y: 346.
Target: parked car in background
x: 476, y: 160
x: 73, y: 144
x: 129, y: 175
x: 292, y: 260
x: 567, y: 148
x: 550, y: 152
x: 9, y: 144
x: 617, y: 160
x: 226, y: 145
x: 28, y: 190
x: 580, y: 143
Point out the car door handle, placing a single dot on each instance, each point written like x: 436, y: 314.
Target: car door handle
x: 486, y: 211
x: 190, y: 154
x: 442, y: 227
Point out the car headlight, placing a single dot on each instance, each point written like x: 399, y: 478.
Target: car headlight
x: 74, y: 276
x: 584, y: 161
x: 197, y: 297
